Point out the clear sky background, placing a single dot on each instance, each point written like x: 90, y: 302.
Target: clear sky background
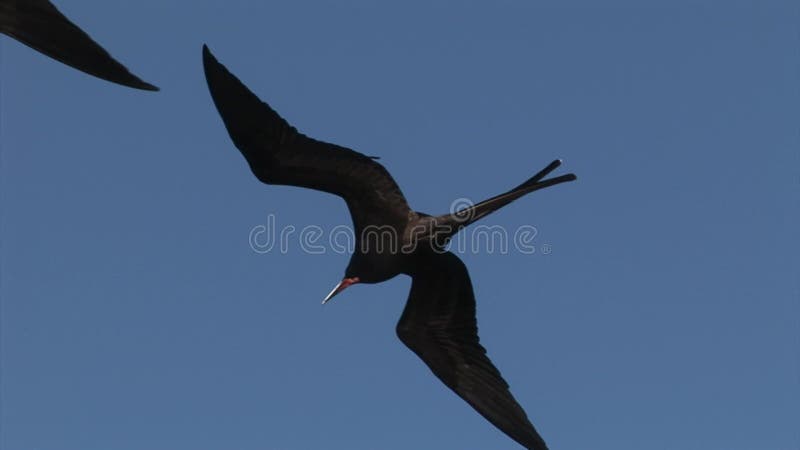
x: 666, y: 315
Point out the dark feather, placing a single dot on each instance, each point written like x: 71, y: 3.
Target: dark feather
x: 39, y: 25
x: 278, y: 154
x: 439, y: 325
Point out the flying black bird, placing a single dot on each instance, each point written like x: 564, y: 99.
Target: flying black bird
x: 438, y: 323
x: 39, y: 25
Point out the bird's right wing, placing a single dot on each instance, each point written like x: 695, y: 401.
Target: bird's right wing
x: 278, y: 154
x: 439, y: 325
x: 39, y: 25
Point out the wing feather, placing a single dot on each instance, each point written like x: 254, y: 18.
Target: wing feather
x: 39, y: 25
x: 440, y: 326
x: 278, y: 154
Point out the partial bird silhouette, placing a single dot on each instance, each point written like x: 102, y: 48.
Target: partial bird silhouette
x: 39, y: 25
x: 438, y: 322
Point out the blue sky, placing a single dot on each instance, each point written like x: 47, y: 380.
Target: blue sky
x: 135, y: 314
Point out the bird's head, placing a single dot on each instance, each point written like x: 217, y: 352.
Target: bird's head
x: 344, y: 284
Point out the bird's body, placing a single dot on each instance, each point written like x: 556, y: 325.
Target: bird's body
x: 438, y: 322
x: 41, y: 26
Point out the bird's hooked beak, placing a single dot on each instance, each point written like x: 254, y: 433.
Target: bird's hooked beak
x: 340, y: 287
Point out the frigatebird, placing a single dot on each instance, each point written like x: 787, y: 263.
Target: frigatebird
x: 438, y: 322
x: 41, y: 26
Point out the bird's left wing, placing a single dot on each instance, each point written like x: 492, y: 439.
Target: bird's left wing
x: 439, y: 325
x: 39, y: 25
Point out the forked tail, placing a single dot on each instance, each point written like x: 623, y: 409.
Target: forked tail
x: 466, y: 216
